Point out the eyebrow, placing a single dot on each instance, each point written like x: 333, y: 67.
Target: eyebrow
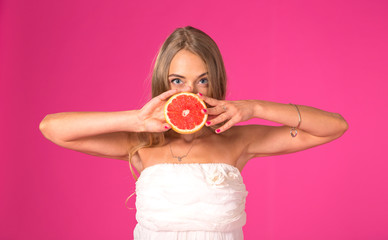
x: 176, y: 75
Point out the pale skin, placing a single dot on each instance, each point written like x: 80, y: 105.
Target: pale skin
x: 105, y: 134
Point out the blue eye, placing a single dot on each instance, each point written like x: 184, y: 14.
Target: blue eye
x: 176, y: 81
x: 204, y: 81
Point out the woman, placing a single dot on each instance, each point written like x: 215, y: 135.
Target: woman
x: 190, y: 185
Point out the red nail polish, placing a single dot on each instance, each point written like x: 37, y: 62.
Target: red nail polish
x: 204, y: 110
x: 200, y: 94
x: 166, y: 127
x: 218, y: 130
x: 208, y: 123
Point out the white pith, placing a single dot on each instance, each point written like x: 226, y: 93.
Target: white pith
x: 185, y: 112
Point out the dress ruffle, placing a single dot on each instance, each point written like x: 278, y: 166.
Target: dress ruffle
x: 190, y: 201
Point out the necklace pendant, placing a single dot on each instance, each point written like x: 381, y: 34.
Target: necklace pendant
x: 179, y: 159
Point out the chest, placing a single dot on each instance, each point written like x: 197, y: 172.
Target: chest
x: 211, y: 150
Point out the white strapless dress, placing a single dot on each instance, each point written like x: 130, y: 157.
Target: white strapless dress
x: 201, y: 201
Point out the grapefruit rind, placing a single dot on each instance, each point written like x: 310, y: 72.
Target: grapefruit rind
x: 173, y: 126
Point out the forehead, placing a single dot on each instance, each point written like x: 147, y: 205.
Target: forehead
x: 187, y: 63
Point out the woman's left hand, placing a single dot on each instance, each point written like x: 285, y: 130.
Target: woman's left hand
x: 230, y: 111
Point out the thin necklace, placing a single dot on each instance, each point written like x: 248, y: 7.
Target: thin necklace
x: 181, y: 156
x: 184, y: 155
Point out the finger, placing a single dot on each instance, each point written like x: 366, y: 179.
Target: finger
x: 210, y: 117
x: 219, y: 119
x: 160, y: 128
x: 157, y: 101
x: 153, y: 125
x: 166, y: 127
x: 167, y: 94
x: 209, y: 100
x: 219, y: 109
x: 158, y: 113
x: 226, y: 126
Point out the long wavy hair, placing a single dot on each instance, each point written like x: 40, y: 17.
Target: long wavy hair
x: 199, y: 43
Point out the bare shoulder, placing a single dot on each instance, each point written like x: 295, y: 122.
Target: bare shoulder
x: 241, y: 138
x: 238, y: 139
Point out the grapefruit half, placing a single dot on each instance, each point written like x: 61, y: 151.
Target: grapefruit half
x: 183, y: 112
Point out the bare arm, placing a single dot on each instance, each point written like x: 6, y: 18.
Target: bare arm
x: 105, y: 134
x: 314, y: 121
x: 317, y: 126
x: 70, y: 126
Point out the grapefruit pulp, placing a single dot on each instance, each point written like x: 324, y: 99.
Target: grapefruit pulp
x: 183, y: 112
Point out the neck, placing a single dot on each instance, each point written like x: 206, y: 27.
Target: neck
x: 188, y: 138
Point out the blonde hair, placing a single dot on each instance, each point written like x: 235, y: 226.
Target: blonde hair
x: 199, y: 43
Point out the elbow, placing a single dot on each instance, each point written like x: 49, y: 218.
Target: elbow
x: 49, y: 129
x: 44, y: 126
x: 343, y: 125
x: 346, y: 126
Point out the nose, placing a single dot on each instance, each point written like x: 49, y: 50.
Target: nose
x: 189, y: 87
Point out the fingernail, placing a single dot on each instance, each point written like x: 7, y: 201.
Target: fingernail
x: 218, y: 130
x: 208, y: 123
x: 200, y: 94
x: 204, y: 110
x: 166, y: 127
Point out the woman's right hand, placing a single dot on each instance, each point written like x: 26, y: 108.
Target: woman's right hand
x: 151, y: 114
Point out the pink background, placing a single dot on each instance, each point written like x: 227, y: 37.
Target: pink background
x: 74, y: 55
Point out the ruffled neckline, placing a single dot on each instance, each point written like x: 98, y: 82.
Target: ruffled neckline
x: 188, y: 164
